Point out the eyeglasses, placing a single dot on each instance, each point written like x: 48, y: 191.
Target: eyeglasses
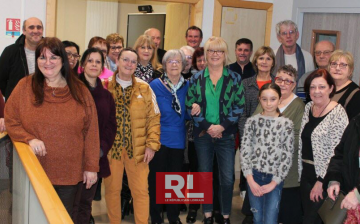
x: 326, y: 53
x: 188, y: 57
x: 176, y: 62
x: 216, y: 52
x: 33, y: 27
x: 286, y: 81
x: 341, y: 65
x: 114, y: 48
x: 71, y: 55
x: 291, y: 33
x: 127, y: 60
x: 52, y: 59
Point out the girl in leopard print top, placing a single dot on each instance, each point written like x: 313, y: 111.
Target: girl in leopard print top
x: 266, y: 155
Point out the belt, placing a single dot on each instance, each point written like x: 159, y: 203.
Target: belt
x: 308, y: 161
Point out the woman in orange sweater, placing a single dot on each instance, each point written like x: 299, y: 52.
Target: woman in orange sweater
x: 53, y: 112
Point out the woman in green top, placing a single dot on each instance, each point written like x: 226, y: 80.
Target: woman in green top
x: 219, y: 93
x: 291, y: 107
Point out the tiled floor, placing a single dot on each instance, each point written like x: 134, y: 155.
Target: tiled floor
x: 100, y: 216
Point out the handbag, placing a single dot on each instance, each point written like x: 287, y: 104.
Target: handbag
x: 330, y: 211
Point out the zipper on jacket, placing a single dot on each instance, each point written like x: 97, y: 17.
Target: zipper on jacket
x: 124, y: 118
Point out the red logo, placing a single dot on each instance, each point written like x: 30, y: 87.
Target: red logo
x: 12, y: 24
x: 184, y: 187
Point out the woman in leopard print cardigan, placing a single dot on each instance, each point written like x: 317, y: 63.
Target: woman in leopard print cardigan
x: 322, y: 126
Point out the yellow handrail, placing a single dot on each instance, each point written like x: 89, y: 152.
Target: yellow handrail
x: 53, y: 208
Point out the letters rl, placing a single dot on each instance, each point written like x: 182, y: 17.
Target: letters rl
x: 177, y: 188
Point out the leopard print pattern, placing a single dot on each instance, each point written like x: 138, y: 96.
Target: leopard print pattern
x: 123, y: 138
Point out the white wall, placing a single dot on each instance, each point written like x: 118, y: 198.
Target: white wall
x: 282, y: 10
x: 19, y: 9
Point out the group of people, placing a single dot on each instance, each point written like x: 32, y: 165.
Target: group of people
x: 144, y: 110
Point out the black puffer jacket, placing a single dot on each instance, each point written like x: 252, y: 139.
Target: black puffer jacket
x: 344, y: 165
x: 13, y: 66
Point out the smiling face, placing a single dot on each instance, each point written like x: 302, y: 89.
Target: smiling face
x: 323, y: 52
x: 243, y: 53
x: 200, y: 62
x: 73, y: 60
x: 114, y: 51
x: 93, y: 65
x: 188, y: 55
x: 145, y: 52
x: 155, y: 36
x: 288, y: 36
x: 215, y: 57
x: 125, y: 66
x: 33, y: 31
x: 320, y: 91
x: 264, y: 63
x: 193, y: 38
x: 340, y: 74
x: 174, y: 66
x: 49, y: 64
x: 269, y: 100
x: 286, y: 89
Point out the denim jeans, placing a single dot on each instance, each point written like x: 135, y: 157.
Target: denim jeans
x: 265, y: 208
x: 206, y: 147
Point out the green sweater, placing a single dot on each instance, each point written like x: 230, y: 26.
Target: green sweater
x: 294, y: 112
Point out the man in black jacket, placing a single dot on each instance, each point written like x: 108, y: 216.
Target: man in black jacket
x: 18, y: 59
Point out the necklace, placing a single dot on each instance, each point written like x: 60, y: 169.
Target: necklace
x: 322, y: 110
x: 53, y: 91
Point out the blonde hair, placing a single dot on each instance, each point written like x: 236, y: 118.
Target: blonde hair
x: 147, y: 40
x: 261, y: 51
x: 113, y: 39
x: 217, y: 43
x: 336, y: 55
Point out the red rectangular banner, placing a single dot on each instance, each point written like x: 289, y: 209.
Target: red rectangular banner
x: 184, y: 187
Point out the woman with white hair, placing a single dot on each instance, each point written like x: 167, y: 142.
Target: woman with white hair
x: 188, y: 51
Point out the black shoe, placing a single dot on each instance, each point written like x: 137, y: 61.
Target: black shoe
x: 92, y: 221
x: 176, y: 222
x: 183, y: 208
x: 191, y: 217
x: 248, y: 220
x: 226, y: 220
x: 155, y: 222
x: 209, y: 220
x: 219, y: 218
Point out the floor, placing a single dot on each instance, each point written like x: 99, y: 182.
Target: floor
x: 100, y: 215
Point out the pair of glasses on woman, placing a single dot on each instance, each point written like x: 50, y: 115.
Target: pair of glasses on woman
x: 71, y: 55
x: 279, y: 80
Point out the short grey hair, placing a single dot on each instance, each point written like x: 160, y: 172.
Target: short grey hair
x: 286, y: 23
x: 149, y: 30
x: 172, y: 54
x: 191, y: 49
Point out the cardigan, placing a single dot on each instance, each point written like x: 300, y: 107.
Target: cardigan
x: 344, y: 165
x: 105, y: 108
x: 172, y: 126
x: 68, y: 129
x: 294, y: 111
x: 324, y: 138
x: 267, y: 146
x: 232, y: 102
x: 251, y: 90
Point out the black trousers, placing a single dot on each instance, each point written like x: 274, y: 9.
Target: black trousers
x: 67, y: 194
x: 165, y: 160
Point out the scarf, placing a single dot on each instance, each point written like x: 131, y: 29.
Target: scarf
x: 175, y: 103
x: 144, y: 72
x: 280, y: 60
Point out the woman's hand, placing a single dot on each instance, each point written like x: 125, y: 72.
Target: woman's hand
x: 2, y: 125
x: 268, y: 187
x: 38, y: 147
x: 254, y: 187
x: 350, y: 201
x: 316, y: 192
x: 90, y: 178
x: 215, y: 131
x: 333, y: 190
x: 195, y: 109
x: 149, y: 155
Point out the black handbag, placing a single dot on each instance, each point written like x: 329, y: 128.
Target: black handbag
x: 330, y: 211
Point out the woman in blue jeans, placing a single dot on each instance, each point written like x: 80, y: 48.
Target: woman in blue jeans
x: 219, y: 93
x: 266, y: 155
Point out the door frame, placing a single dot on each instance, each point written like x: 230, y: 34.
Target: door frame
x: 196, y: 13
x: 219, y: 4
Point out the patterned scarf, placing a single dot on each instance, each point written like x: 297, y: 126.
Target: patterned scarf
x: 144, y: 72
x: 280, y: 60
x: 175, y: 104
